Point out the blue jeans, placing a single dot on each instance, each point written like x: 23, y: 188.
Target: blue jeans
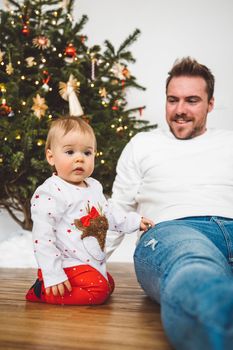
x: 186, y: 266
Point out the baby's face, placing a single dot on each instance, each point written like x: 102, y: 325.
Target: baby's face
x: 73, y: 156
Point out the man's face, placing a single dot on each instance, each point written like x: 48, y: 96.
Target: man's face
x: 187, y: 106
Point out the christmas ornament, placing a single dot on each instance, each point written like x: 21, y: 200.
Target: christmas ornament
x: 39, y: 107
x: 30, y: 61
x: 93, y: 62
x: 103, y: 92
x: 45, y: 80
x: 41, y: 41
x: 70, y: 52
x: 126, y: 72
x: 9, y: 68
x: 25, y: 31
x: 4, y: 110
x: 68, y: 92
x: 2, y: 53
x: 117, y: 70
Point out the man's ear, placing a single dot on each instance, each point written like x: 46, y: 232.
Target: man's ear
x: 211, y: 105
x: 49, y: 157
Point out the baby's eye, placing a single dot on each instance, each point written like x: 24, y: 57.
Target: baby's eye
x: 70, y: 152
x: 88, y: 153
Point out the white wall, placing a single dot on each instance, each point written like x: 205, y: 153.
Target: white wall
x: 170, y: 29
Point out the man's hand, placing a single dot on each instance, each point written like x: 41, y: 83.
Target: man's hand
x: 146, y: 224
x: 59, y: 289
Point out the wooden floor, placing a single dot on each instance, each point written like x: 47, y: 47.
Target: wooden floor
x: 129, y: 320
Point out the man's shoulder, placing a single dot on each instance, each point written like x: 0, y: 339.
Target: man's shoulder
x: 149, y: 136
x: 221, y: 133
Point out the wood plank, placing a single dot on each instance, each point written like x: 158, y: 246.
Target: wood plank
x: 129, y: 320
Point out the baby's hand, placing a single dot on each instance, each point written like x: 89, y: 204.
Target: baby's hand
x: 146, y: 224
x: 59, y: 289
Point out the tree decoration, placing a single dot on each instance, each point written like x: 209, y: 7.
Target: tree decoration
x: 30, y: 61
x: 1, y: 55
x: 45, y: 80
x: 68, y: 92
x: 93, y: 62
x: 25, y: 30
x: 118, y: 70
x: 39, y: 107
x: 70, y: 51
x: 41, y: 42
x: 9, y: 68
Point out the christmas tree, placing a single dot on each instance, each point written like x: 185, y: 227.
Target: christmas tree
x: 47, y: 71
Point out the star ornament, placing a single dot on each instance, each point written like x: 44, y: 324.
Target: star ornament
x: 30, y: 61
x: 39, y: 107
x: 41, y: 41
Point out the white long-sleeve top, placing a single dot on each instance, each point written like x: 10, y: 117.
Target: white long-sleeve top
x: 165, y: 178
x: 57, y: 242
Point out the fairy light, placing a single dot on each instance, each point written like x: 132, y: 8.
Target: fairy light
x: 54, y: 49
x: 5, y: 138
x: 92, y: 85
x: 37, y: 82
x: 18, y: 137
x: 39, y: 143
x: 43, y: 60
x: 102, y: 161
x: 18, y: 62
x: 2, y: 63
x: 60, y: 55
x: 112, y: 126
x: 50, y: 116
x: 23, y: 77
x: 23, y: 103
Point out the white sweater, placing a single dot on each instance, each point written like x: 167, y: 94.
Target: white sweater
x: 57, y: 242
x: 164, y: 178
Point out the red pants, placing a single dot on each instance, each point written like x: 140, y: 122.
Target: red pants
x: 89, y: 287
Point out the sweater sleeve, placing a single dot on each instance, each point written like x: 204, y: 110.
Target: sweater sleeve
x: 123, y: 198
x: 47, y: 209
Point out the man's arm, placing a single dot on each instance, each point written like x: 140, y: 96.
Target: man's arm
x: 125, y: 188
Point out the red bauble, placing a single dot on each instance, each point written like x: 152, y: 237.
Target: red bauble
x: 70, y: 51
x: 4, y: 110
x: 25, y: 30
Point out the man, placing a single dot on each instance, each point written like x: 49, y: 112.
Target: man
x: 182, y: 179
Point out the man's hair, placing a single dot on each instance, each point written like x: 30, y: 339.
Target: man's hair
x: 67, y: 124
x: 189, y: 67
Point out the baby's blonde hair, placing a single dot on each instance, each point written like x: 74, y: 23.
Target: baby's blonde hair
x: 67, y: 124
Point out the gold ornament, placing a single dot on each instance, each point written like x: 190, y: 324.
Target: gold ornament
x: 2, y: 53
x: 30, y: 61
x: 39, y: 107
x: 9, y: 68
x: 41, y: 41
x: 103, y: 92
x: 68, y: 92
